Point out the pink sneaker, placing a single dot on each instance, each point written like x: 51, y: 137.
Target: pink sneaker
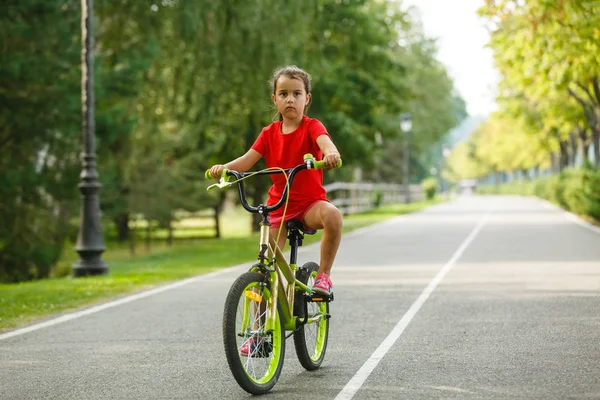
x: 323, y: 284
x: 249, y: 347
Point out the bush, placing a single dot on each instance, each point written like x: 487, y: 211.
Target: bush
x: 540, y: 187
x: 34, y: 247
x: 591, y: 193
x: 430, y: 187
x: 556, y: 190
x: 377, y: 198
x: 576, y: 190
x: 573, y: 191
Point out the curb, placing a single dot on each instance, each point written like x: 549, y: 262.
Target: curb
x: 569, y: 215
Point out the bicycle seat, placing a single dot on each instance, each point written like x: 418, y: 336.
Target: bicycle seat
x: 295, y: 224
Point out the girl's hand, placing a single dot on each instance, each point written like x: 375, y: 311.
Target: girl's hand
x: 331, y: 160
x: 216, y: 170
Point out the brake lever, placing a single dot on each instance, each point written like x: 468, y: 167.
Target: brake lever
x: 223, y: 182
x: 221, y: 185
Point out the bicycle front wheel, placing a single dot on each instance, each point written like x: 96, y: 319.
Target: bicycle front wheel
x: 254, y: 353
x: 310, y: 339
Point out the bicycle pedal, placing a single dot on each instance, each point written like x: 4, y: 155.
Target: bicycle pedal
x: 320, y: 298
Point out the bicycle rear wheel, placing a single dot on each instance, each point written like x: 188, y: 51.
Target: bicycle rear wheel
x: 310, y: 339
x: 255, y: 355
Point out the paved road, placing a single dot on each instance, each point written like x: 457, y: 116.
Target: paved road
x: 481, y: 298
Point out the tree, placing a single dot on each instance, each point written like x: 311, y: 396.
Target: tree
x: 40, y: 134
x: 547, y: 51
x: 183, y: 85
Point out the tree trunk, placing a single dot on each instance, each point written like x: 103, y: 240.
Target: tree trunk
x: 170, y: 235
x: 596, y: 141
x: 217, y: 209
x: 258, y: 196
x: 596, y: 138
x: 148, y: 236
x: 525, y: 174
x: 584, y: 141
x: 121, y: 222
x: 132, y: 241
x: 564, y: 155
x: 256, y: 188
x: 596, y: 126
x: 573, y: 149
x: 62, y: 225
x: 592, y: 114
x: 554, y: 168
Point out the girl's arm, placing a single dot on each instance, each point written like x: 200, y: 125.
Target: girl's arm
x: 240, y: 164
x: 331, y: 155
x: 245, y: 162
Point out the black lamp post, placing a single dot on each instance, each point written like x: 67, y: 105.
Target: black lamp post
x: 90, y: 241
x: 406, y: 126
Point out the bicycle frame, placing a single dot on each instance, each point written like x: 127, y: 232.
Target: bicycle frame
x: 282, y: 279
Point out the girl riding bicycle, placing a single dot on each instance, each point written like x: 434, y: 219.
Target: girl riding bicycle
x: 283, y: 144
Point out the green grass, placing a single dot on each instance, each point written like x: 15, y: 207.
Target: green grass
x: 25, y: 302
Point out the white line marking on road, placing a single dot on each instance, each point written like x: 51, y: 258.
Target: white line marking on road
x: 569, y: 215
x: 363, y: 373
x: 124, y: 300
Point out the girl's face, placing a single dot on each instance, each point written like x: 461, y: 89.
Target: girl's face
x: 290, y: 97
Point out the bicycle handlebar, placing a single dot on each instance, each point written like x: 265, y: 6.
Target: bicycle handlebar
x: 309, y: 163
x: 316, y: 165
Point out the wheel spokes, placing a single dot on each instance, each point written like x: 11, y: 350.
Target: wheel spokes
x: 252, y: 315
x: 313, y: 332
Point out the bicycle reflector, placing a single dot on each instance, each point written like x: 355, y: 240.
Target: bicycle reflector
x: 253, y: 296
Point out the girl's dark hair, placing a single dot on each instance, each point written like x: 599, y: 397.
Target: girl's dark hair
x: 292, y: 72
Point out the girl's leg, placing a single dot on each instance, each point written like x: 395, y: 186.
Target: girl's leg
x: 282, y: 236
x: 326, y: 216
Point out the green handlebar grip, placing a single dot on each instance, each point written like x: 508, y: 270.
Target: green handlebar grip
x: 207, y: 174
x: 321, y: 164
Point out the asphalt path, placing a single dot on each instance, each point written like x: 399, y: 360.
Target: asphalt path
x: 480, y: 298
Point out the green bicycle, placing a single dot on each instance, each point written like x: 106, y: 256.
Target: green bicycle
x: 273, y: 297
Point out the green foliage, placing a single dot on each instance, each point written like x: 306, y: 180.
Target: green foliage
x: 573, y: 186
x: 556, y: 190
x: 592, y: 194
x: 547, y: 55
x: 181, y: 86
x: 434, y: 109
x: 541, y: 187
x: 582, y: 192
x: 576, y: 190
x: 430, y: 187
x: 39, y: 134
x: 377, y: 198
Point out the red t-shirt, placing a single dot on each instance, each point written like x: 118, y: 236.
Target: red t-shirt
x: 287, y: 151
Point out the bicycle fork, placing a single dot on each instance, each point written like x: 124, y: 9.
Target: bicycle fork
x: 273, y: 277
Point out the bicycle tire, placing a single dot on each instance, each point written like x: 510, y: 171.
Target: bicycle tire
x: 310, y: 340
x: 259, y: 371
